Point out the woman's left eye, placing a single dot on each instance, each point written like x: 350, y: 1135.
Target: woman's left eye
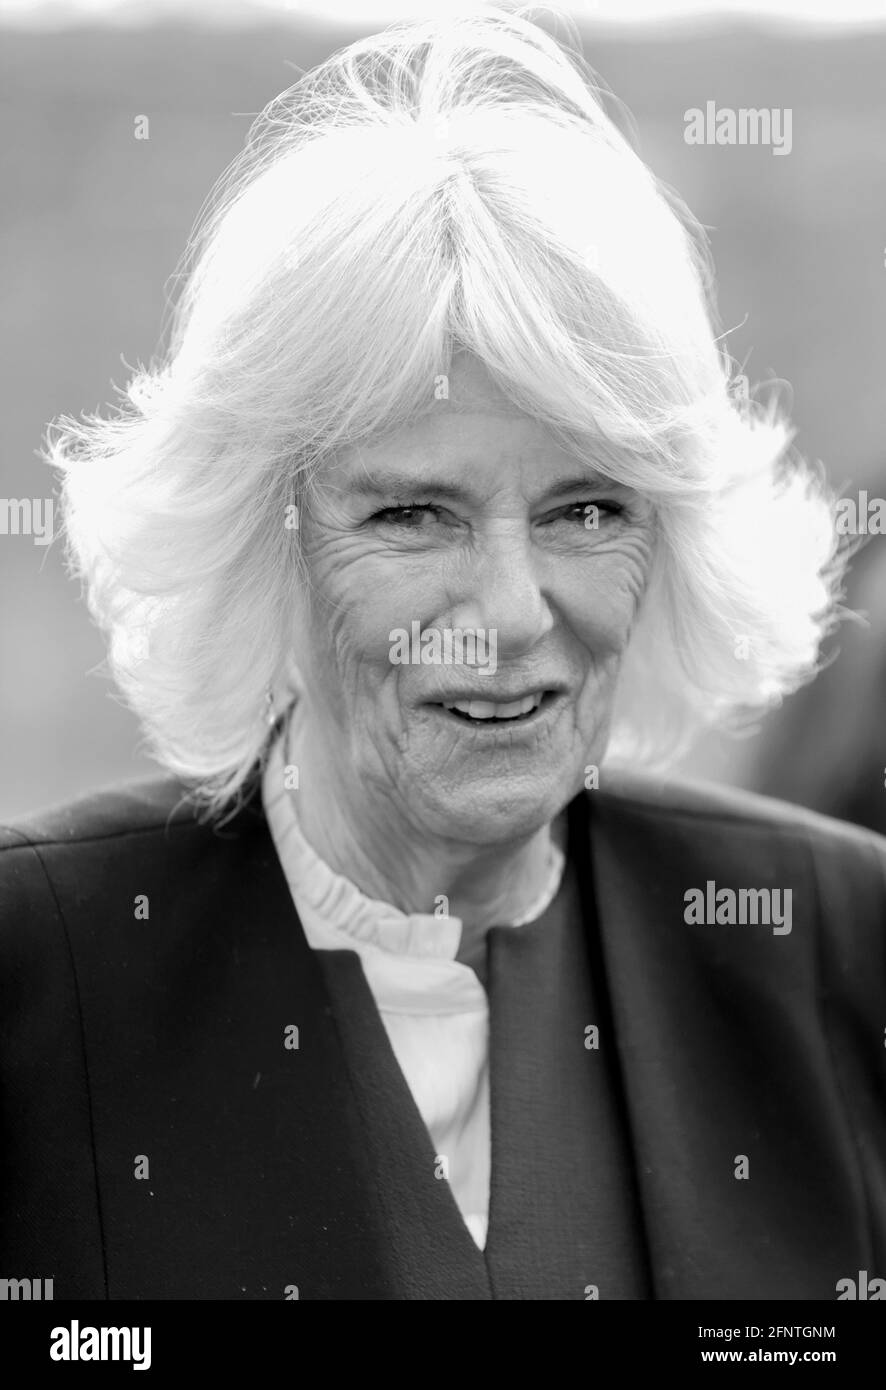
x: 589, y: 513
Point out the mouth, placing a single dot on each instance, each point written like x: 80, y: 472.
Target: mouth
x: 493, y: 714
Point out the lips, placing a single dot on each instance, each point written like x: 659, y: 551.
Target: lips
x: 513, y: 708
x: 489, y: 709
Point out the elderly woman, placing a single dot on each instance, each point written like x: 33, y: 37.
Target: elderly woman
x: 432, y: 539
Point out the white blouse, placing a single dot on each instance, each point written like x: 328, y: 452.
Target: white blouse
x: 434, y: 1007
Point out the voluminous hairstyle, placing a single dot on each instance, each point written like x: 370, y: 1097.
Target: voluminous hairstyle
x: 445, y: 185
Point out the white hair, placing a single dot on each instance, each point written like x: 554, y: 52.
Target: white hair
x: 444, y: 185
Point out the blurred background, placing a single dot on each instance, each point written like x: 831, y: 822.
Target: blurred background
x: 93, y: 222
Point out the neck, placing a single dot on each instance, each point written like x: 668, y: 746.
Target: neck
x: 391, y: 859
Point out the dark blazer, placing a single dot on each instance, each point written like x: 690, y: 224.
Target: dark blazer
x: 159, y: 1140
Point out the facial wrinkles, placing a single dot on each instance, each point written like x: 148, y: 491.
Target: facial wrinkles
x: 433, y: 582
x: 565, y: 603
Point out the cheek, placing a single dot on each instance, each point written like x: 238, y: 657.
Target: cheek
x: 602, y: 595
x: 358, y: 596
x: 357, y: 599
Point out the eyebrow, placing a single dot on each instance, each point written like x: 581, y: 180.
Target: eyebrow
x: 404, y: 486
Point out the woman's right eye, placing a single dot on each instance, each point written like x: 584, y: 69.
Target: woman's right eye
x: 407, y: 517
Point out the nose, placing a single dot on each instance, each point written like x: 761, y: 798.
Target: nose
x: 502, y: 592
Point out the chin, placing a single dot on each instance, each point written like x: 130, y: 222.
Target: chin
x: 499, y: 810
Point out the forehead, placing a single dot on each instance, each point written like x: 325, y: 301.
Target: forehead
x: 470, y: 389
x: 469, y: 424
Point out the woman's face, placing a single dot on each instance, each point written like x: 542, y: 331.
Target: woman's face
x: 473, y: 518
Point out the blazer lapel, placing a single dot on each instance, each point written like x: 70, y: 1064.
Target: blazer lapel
x: 723, y: 1059
x: 428, y: 1251
x: 227, y: 1137
x: 564, y: 1209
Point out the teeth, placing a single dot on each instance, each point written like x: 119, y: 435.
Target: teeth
x: 485, y: 709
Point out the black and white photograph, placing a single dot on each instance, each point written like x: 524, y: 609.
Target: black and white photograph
x: 443, y: 630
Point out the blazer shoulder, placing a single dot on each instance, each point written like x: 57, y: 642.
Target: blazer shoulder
x: 674, y: 834
x: 644, y: 796
x: 78, y: 857
x: 135, y: 808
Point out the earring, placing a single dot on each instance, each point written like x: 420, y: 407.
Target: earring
x: 270, y: 709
